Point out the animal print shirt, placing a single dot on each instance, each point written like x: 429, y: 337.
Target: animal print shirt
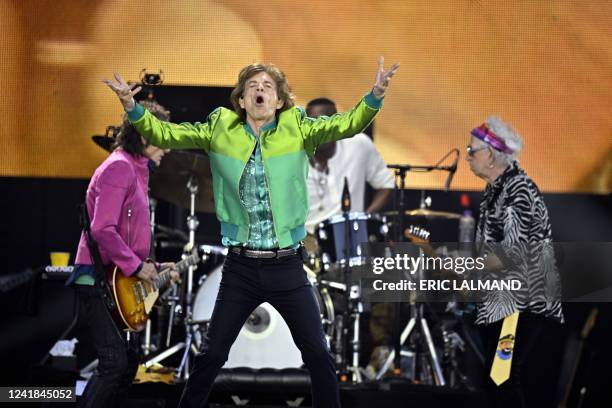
x: 513, y: 213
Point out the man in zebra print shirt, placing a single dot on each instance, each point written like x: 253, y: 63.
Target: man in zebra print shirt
x: 514, y: 215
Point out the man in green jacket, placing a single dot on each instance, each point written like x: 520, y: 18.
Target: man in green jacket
x: 259, y: 162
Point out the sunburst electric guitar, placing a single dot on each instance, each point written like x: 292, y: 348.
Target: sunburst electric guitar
x: 135, y: 297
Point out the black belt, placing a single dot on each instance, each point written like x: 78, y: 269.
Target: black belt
x: 264, y: 254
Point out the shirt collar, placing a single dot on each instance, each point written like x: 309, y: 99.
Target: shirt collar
x: 511, y: 170
x: 264, y: 128
x: 497, y: 185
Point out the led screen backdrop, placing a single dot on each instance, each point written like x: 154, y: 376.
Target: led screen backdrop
x: 543, y: 65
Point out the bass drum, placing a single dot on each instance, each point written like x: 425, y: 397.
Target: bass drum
x: 265, y: 340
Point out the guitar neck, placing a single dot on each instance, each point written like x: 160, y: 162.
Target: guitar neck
x: 181, y: 266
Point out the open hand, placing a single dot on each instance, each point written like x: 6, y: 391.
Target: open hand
x: 124, y: 91
x: 383, y: 77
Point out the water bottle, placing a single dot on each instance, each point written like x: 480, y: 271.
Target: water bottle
x: 466, y: 227
x: 466, y: 221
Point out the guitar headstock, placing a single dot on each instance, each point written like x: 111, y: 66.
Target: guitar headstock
x: 416, y: 234
x: 192, y: 257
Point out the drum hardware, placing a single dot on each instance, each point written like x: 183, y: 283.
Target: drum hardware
x: 453, y: 343
x: 356, y: 310
x: 346, y: 252
x: 147, y: 347
x: 167, y: 232
x: 417, y: 321
x: 183, y: 179
x: 426, y: 213
x: 175, y: 309
x: 187, y: 346
x: 213, y: 250
x: 171, y: 245
x: 339, y: 343
x: 314, y: 263
x: 192, y: 225
x: 178, y: 169
x: 210, y: 251
x: 333, y: 285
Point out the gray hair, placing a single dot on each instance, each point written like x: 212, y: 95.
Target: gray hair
x: 512, y: 139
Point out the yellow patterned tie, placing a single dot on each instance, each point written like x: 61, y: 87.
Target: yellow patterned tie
x: 500, y: 370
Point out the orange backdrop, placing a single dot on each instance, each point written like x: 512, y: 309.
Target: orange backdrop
x: 543, y: 66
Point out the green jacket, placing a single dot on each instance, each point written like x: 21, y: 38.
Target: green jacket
x: 285, y: 149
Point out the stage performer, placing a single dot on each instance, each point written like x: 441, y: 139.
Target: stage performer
x: 259, y: 162
x: 513, y: 216
x: 118, y: 208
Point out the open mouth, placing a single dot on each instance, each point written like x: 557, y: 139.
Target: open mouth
x: 259, y: 100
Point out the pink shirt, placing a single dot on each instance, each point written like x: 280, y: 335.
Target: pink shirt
x: 118, y: 207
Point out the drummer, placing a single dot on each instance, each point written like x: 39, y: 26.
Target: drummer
x: 355, y: 158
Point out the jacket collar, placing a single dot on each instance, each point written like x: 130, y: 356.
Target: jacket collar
x: 139, y: 161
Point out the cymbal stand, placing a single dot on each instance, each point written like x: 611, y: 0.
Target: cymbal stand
x: 356, y: 310
x: 400, y: 204
x: 418, y: 325
x: 417, y: 320
x: 187, y: 345
x: 192, y: 225
x: 147, y: 347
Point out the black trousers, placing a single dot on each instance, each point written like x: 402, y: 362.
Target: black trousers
x: 245, y: 284
x: 118, y: 359
x: 510, y: 393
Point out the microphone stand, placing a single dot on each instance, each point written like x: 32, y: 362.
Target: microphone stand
x: 400, y: 184
x: 416, y: 311
x: 354, y: 308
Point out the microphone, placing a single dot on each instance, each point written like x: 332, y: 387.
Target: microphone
x: 346, y: 197
x: 451, y: 173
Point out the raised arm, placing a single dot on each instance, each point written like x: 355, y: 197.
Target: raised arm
x: 346, y: 124
x: 157, y: 132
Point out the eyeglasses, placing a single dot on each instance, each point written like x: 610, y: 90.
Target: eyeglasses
x: 472, y: 151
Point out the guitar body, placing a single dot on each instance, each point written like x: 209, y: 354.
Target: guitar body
x: 134, y: 297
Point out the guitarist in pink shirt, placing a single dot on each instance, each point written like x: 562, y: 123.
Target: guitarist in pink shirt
x: 118, y: 207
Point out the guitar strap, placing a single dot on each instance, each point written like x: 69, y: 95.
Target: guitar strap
x: 102, y: 285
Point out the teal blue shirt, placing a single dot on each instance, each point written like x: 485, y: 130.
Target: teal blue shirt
x: 255, y: 198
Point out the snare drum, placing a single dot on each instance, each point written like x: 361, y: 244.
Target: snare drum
x: 363, y: 228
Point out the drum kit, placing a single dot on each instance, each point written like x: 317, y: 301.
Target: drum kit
x: 184, y: 179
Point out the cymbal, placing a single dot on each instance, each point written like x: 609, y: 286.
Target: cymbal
x: 104, y: 142
x: 425, y: 212
x: 169, y: 180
